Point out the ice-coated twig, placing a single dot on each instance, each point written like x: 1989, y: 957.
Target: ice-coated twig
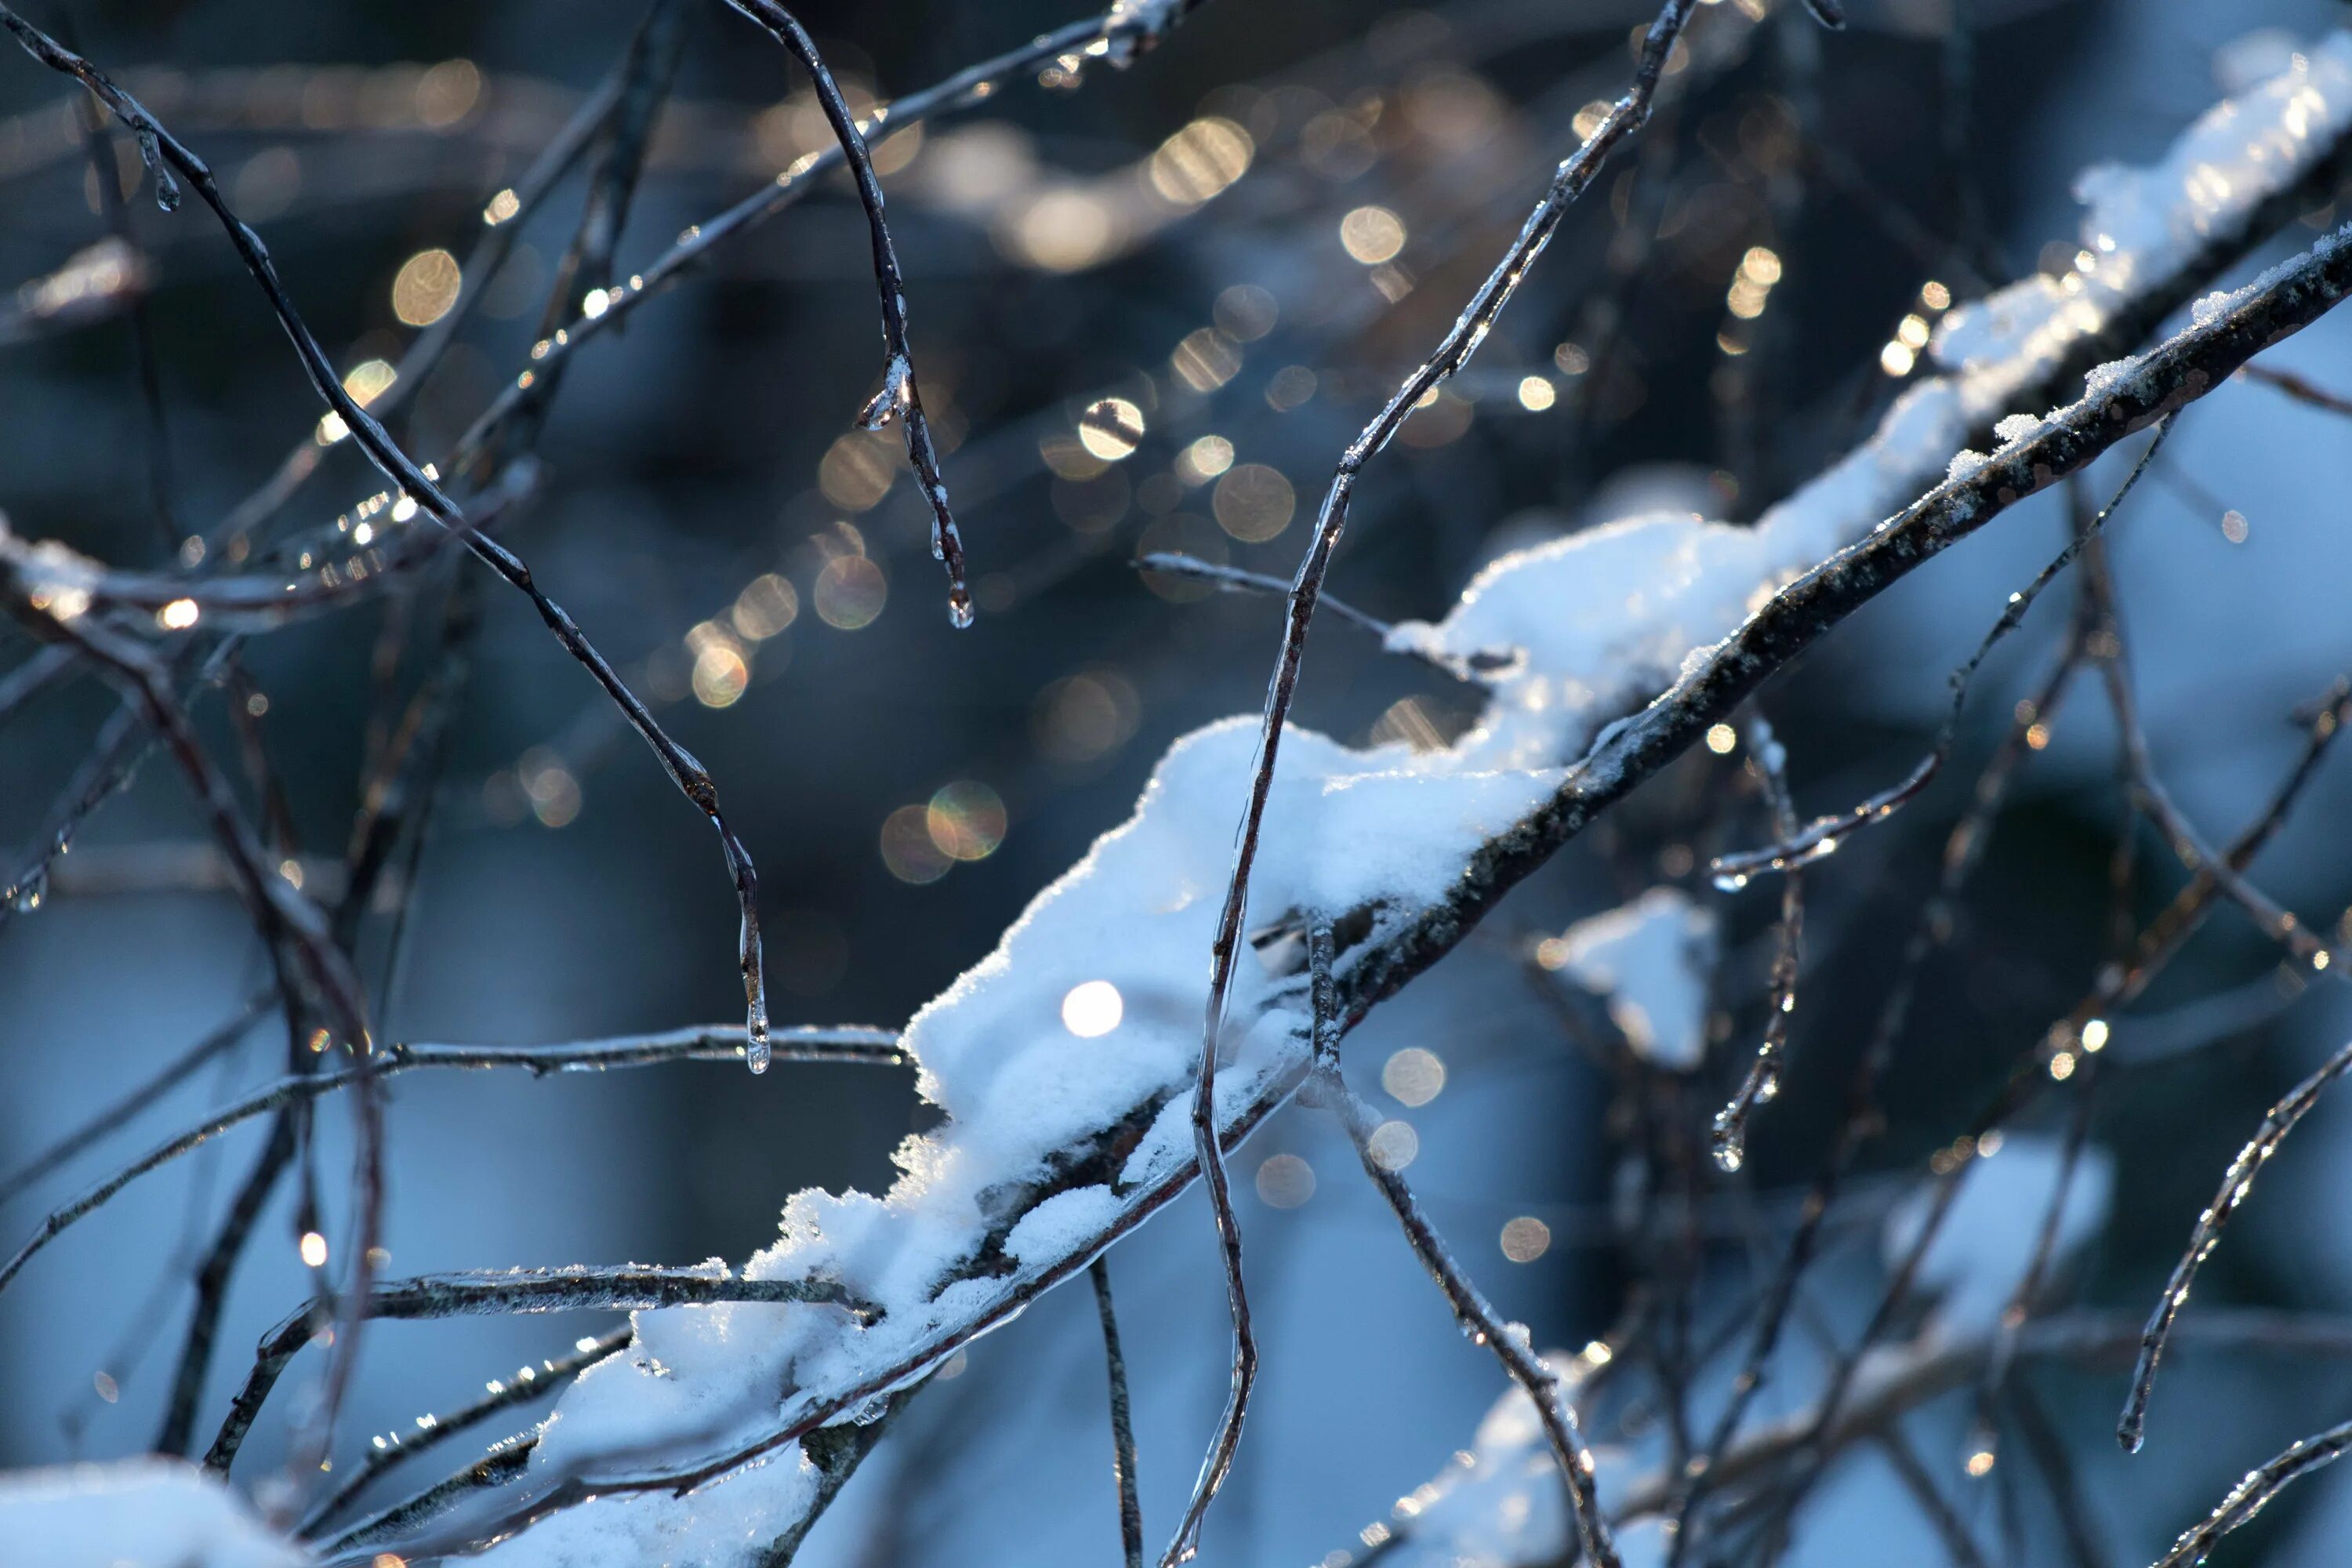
x: 1486, y: 1326
x: 899, y: 399
x: 1122, y: 1424
x: 687, y: 773
x: 1915, y: 1374
x: 1470, y: 329
x: 430, y: 1432
x: 2256, y: 1492
x: 1219, y: 1459
x: 863, y: 1046
x: 1963, y: 849
x: 1822, y: 837
x: 1728, y: 1135
x: 568, y: 1289
x: 506, y: 1460
x: 2237, y: 1182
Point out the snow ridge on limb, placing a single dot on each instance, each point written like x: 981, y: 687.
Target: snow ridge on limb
x: 1063, y: 1059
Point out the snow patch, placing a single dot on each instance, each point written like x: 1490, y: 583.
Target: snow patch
x: 138, y: 1513
x: 1650, y: 960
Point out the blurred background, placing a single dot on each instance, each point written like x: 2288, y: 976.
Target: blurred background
x: 1248, y: 238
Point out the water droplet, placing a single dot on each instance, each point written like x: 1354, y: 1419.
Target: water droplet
x: 959, y: 614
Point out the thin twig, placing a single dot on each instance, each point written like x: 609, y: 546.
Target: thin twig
x: 1485, y: 1326
x: 2301, y: 388
x: 2237, y: 1182
x: 1728, y: 1135
x: 1122, y: 1424
x: 2254, y: 1493
x: 164, y: 1079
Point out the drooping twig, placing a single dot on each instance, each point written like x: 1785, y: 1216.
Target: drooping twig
x: 1823, y: 836
x: 899, y: 399
x: 1575, y: 174
x: 1122, y: 1424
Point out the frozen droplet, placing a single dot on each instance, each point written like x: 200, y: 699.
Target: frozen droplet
x: 959, y: 614
x: 756, y: 1050
x: 29, y: 894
